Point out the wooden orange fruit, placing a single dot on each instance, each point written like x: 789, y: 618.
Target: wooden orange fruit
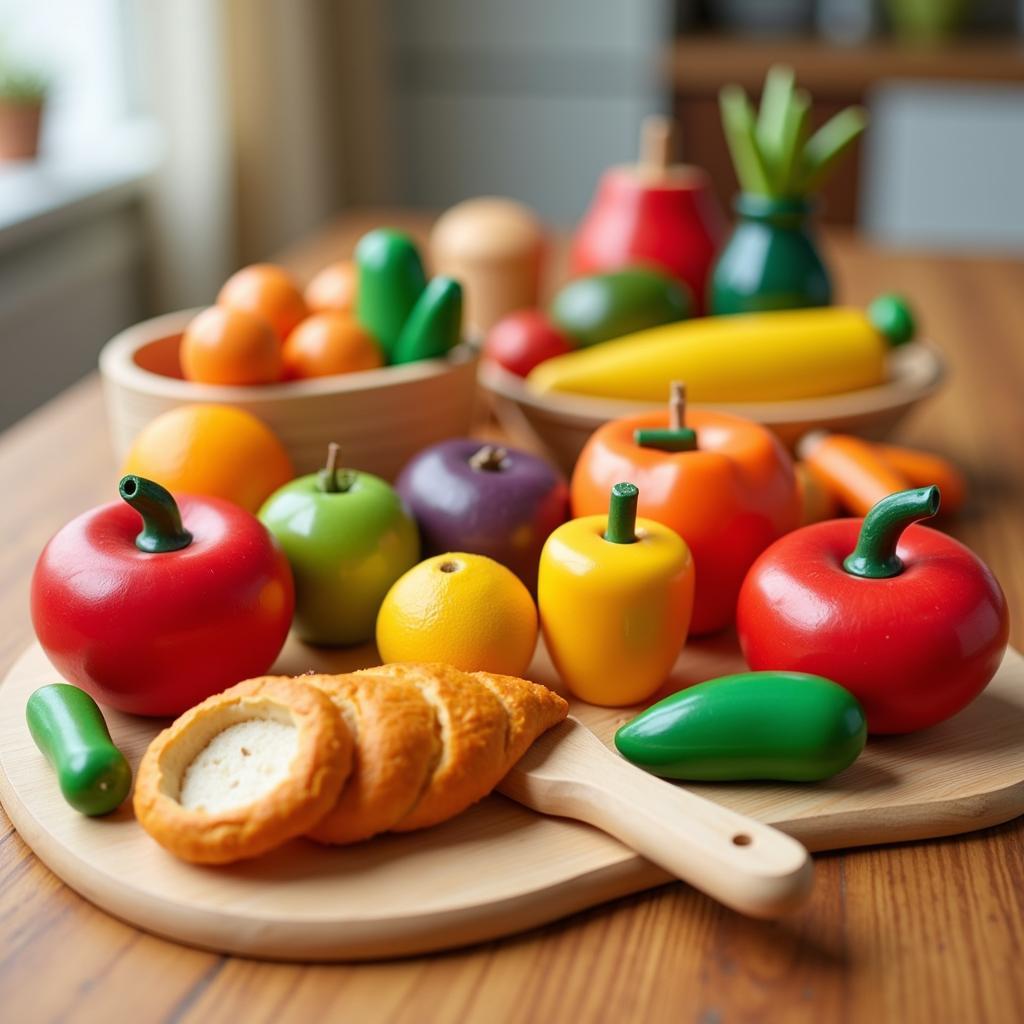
x: 230, y: 346
x: 334, y: 288
x: 211, y: 449
x: 268, y: 290
x: 329, y: 343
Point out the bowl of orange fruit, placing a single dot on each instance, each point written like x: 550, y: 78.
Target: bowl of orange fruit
x: 369, y: 355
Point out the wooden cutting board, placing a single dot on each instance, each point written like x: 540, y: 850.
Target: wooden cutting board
x: 498, y: 868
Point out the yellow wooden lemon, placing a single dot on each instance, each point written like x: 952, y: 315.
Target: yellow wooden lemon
x: 466, y: 610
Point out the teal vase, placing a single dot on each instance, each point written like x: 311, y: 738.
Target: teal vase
x: 771, y: 261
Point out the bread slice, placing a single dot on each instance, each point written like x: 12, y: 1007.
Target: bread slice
x: 398, y: 745
x: 532, y: 709
x: 473, y: 728
x: 206, y: 794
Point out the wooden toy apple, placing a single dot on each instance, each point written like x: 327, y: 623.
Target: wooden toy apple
x: 523, y: 340
x: 347, y: 537
x: 499, y: 502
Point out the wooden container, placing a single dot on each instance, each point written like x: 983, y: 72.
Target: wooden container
x: 380, y: 418
x: 495, y: 247
x: 561, y: 423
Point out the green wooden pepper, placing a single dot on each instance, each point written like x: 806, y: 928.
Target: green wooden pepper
x: 435, y: 324
x: 600, y: 307
x: 391, y: 280
x: 787, y: 726
x: 69, y: 729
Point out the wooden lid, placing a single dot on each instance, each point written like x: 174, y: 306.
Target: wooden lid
x: 486, y: 228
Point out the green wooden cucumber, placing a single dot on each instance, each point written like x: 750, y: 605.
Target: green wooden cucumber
x: 391, y: 280
x: 435, y: 324
x: 69, y: 729
x: 787, y: 726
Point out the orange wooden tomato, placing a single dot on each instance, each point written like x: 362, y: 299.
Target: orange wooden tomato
x: 268, y: 290
x: 230, y: 346
x: 334, y: 288
x: 728, y: 499
x: 328, y: 343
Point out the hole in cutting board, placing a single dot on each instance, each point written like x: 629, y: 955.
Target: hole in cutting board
x: 741, y: 839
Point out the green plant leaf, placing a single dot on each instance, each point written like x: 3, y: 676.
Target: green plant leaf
x: 741, y: 135
x: 827, y: 145
x: 776, y: 100
x: 794, y: 134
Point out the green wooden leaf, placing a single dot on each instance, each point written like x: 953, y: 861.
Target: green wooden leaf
x: 741, y: 135
x: 776, y: 98
x: 794, y: 134
x: 827, y: 145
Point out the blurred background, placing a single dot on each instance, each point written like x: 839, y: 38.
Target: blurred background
x: 148, y: 149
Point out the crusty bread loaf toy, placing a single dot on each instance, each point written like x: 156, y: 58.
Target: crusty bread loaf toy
x: 244, y: 771
x: 394, y: 748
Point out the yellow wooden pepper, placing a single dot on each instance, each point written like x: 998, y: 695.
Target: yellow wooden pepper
x: 615, y: 595
x: 749, y: 357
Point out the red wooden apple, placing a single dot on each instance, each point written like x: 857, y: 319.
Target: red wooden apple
x: 523, y: 340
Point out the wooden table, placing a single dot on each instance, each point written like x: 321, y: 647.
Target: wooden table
x: 921, y: 932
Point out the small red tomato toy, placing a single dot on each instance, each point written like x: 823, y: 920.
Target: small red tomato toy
x: 153, y: 620
x: 523, y: 340
x: 907, y: 619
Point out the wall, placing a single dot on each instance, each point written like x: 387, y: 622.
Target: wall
x: 530, y: 99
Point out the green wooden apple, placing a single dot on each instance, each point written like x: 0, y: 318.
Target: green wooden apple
x: 348, y: 537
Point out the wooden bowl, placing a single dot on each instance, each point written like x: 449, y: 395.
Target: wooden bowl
x: 380, y: 418
x: 561, y: 423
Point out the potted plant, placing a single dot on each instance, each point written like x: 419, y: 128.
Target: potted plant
x: 771, y: 260
x: 22, y: 97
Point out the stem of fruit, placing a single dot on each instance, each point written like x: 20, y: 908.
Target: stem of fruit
x: 677, y: 405
x: 331, y: 479
x: 678, y: 437
x: 621, y: 527
x: 875, y: 556
x: 655, y: 144
x: 490, y: 458
x: 161, y: 521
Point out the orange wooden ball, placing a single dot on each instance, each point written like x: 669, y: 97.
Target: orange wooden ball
x: 334, y: 288
x: 269, y: 291
x: 330, y: 343
x: 230, y: 346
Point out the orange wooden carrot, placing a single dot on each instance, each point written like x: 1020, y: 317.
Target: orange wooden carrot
x: 852, y: 468
x: 924, y: 468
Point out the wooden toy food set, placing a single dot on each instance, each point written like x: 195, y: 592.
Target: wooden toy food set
x: 414, y: 716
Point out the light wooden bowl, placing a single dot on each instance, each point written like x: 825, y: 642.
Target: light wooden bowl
x: 380, y: 418
x: 561, y: 423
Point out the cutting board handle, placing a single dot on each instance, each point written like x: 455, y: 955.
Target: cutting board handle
x: 741, y: 862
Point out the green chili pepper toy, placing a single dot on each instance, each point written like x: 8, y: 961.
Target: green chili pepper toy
x: 69, y: 729
x: 789, y: 726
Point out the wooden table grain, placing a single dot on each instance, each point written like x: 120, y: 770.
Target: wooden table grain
x: 929, y: 932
